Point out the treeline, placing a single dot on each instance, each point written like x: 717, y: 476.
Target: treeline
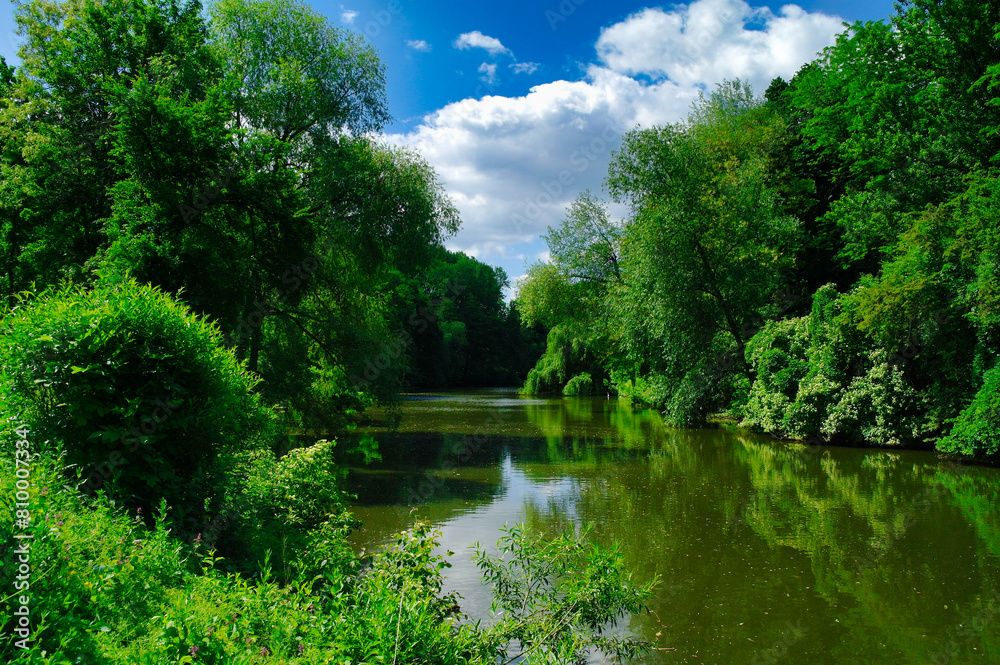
x: 821, y: 263
x: 231, y: 160
x: 458, y: 327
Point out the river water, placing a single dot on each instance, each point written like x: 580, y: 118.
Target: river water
x: 767, y: 552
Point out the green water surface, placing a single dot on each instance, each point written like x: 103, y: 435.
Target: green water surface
x: 768, y: 552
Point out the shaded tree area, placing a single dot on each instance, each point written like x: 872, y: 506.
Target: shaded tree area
x: 461, y: 331
x: 817, y: 262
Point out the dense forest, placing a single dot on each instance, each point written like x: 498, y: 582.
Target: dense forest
x: 820, y: 263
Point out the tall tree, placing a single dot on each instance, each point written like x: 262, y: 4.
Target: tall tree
x: 709, y: 241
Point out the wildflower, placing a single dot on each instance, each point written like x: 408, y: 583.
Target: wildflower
x: 193, y: 650
x: 264, y: 651
x: 197, y: 538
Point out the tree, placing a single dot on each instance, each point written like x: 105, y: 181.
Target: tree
x: 709, y: 245
x: 230, y: 161
x: 80, y: 62
x: 568, y: 295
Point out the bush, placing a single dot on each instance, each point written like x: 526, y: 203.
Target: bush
x: 580, y: 385
x: 555, y: 598
x: 93, y: 569
x: 977, y: 428
x: 777, y: 354
x: 820, y: 375
x: 282, y: 509
x: 130, y: 386
x: 878, y: 407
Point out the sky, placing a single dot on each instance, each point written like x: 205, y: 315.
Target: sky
x: 519, y: 105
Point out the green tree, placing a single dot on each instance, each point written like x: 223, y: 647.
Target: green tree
x: 568, y: 296
x: 709, y: 246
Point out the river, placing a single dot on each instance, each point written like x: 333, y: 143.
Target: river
x: 767, y: 552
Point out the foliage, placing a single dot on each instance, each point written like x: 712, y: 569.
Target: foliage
x: 555, y: 598
x: 134, y: 389
x: 581, y: 385
x: 567, y: 356
x: 977, y: 428
x: 709, y: 242
x: 818, y: 375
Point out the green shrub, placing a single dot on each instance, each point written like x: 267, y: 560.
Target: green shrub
x: 130, y: 386
x: 94, y: 570
x: 303, y: 487
x: 651, y: 390
x: 820, y: 375
x: 281, y: 508
x: 877, y: 407
x: 555, y: 597
x: 977, y: 428
x: 580, y: 385
x: 777, y: 354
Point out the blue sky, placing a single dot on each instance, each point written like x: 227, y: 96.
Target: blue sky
x: 519, y: 105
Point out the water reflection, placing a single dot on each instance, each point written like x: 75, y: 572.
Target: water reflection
x: 768, y: 552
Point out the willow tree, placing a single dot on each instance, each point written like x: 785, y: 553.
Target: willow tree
x: 568, y: 296
x: 708, y: 245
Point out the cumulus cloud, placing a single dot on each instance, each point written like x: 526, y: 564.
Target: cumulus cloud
x: 476, y: 39
x: 489, y: 73
x: 512, y: 165
x: 525, y: 67
x: 347, y: 16
x: 419, y: 45
x: 712, y: 40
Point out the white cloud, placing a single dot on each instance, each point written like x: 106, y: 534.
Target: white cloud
x: 419, y: 45
x: 347, y: 16
x: 489, y: 73
x: 525, y: 67
x: 476, y: 39
x: 513, y: 164
x: 712, y: 40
